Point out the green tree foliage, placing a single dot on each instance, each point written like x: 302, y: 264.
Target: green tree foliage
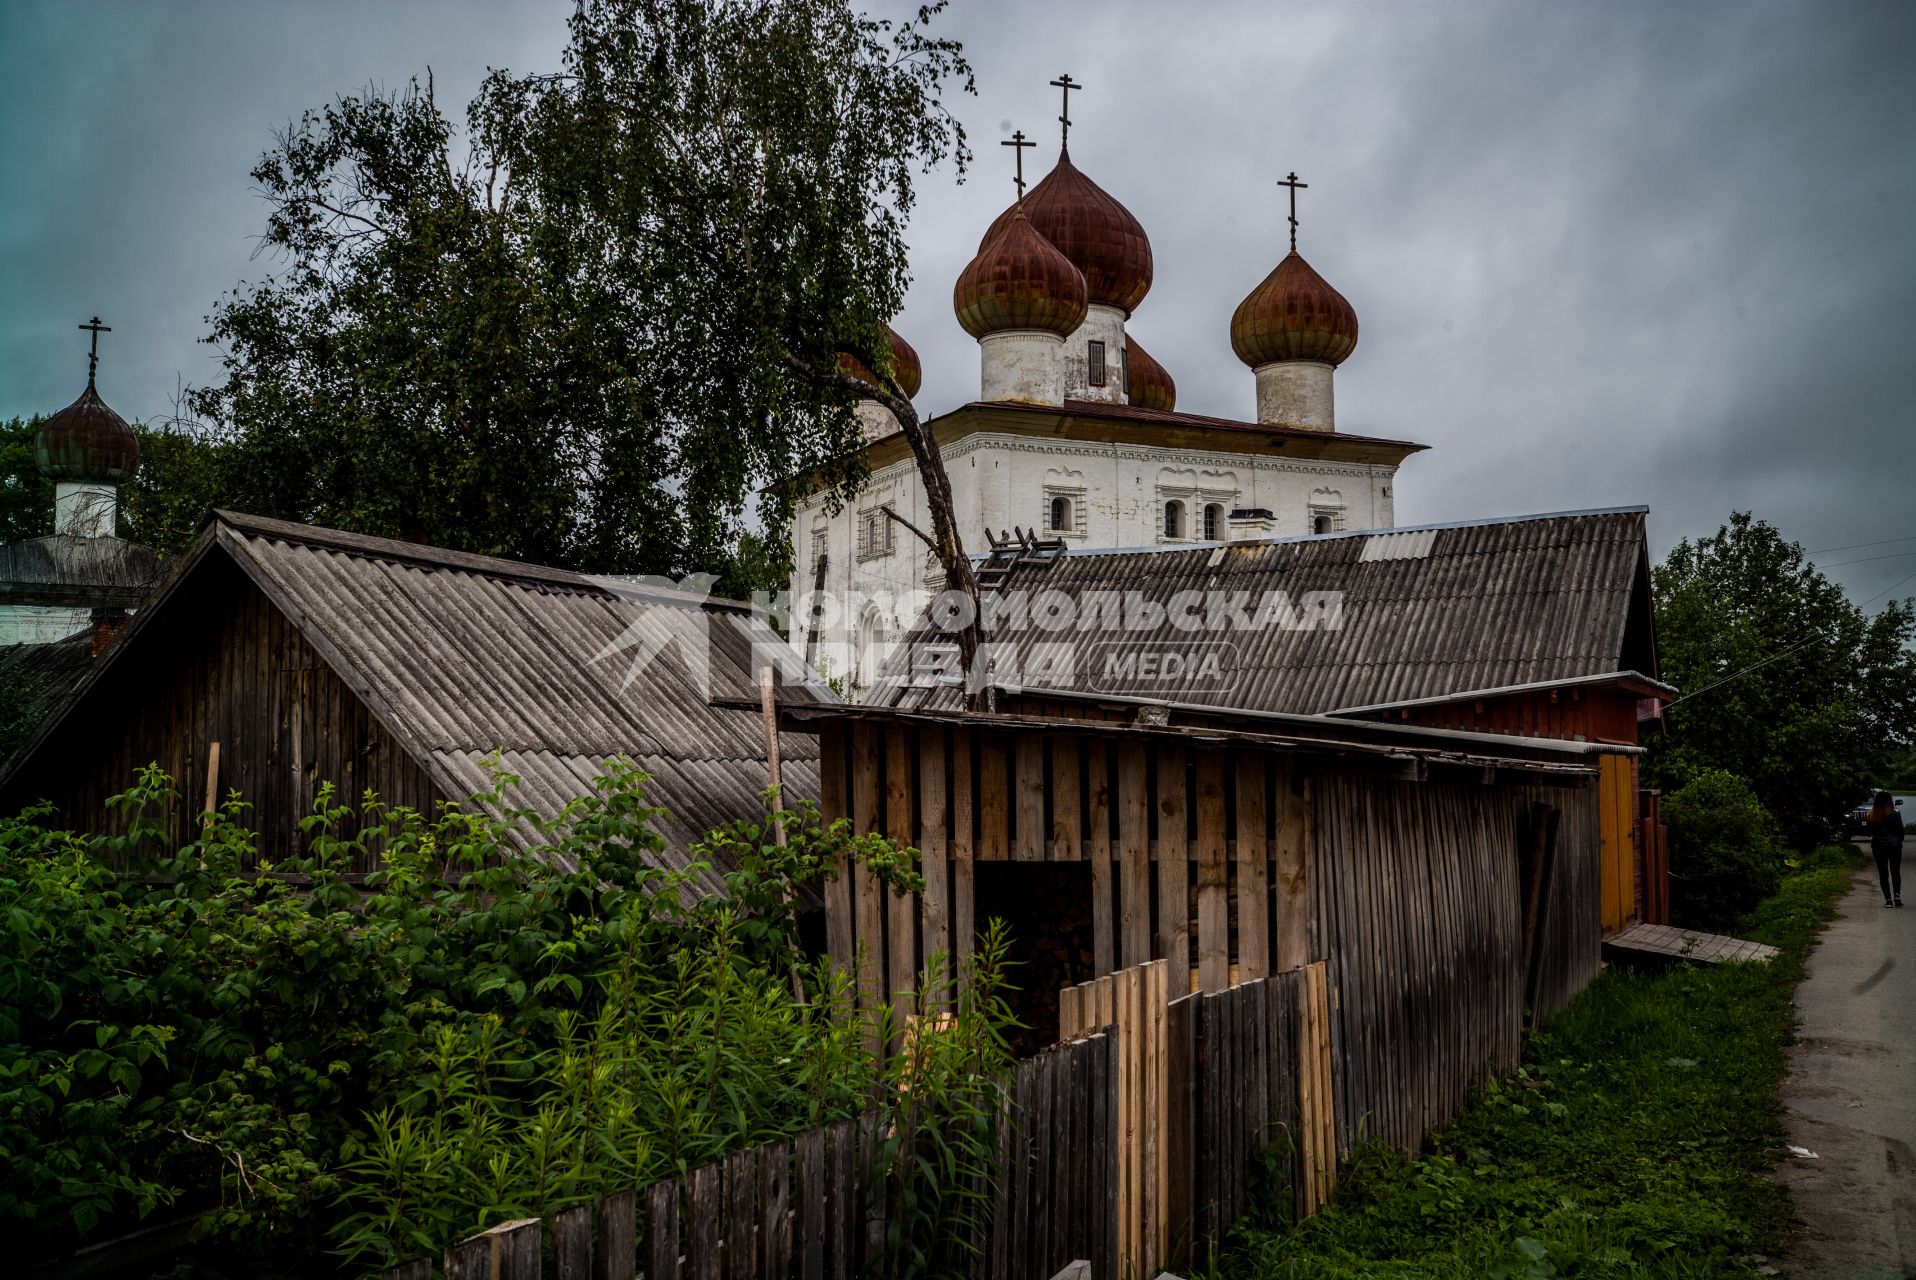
x: 587, y: 329
x: 1725, y: 856
x: 184, y: 474
x: 372, y: 1071
x: 1784, y: 681
x: 26, y: 496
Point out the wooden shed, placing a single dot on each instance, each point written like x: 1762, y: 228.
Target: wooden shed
x: 1451, y: 880
x: 279, y: 656
x: 1535, y: 626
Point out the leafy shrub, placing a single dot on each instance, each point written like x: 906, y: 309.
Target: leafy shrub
x: 376, y: 1070
x: 1725, y: 855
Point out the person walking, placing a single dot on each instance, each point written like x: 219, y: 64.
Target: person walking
x: 1886, y: 843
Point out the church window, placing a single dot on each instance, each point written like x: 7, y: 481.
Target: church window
x: 1213, y: 521
x: 1061, y: 516
x: 1322, y: 523
x: 1124, y: 370
x: 818, y: 548
x: 1095, y: 354
x: 1174, y: 519
x: 877, y: 534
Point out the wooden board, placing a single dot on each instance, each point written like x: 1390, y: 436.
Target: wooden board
x: 1253, y: 851
x: 831, y: 805
x: 1066, y: 838
x: 1097, y: 847
x: 1029, y: 845
x: 933, y: 843
x: 867, y: 893
x: 994, y: 800
x: 1173, y: 848
x: 901, y: 932
x: 964, y: 924
x: 1134, y: 855
x: 1294, y: 842
x: 1213, y: 887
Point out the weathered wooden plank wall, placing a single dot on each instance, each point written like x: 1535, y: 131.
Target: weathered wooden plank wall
x: 1416, y: 906
x: 222, y: 665
x: 1225, y: 860
x: 1572, y: 931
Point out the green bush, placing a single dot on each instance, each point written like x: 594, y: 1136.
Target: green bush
x: 1725, y: 853
x: 370, y: 1072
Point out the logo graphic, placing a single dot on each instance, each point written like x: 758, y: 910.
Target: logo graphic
x: 671, y: 613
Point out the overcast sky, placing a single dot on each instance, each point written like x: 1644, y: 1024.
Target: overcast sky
x: 1602, y: 253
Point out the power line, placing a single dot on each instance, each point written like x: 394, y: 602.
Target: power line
x: 1881, y: 542
x: 1783, y: 654
x: 1891, y: 555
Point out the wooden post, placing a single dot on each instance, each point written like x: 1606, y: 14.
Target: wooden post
x: 768, y: 708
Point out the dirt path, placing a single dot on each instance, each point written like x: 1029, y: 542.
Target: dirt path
x: 1851, y: 1096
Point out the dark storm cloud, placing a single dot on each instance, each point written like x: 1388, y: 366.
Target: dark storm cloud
x: 1602, y: 254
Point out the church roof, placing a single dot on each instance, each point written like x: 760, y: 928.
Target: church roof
x: 87, y: 442
x: 906, y: 367
x: 1019, y: 280
x: 1147, y: 384
x: 1099, y: 236
x: 1293, y: 314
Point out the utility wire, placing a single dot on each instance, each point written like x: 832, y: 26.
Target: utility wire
x: 1893, y: 555
x: 1881, y: 542
x: 1773, y: 657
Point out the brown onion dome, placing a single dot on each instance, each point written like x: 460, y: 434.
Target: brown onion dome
x: 1293, y: 315
x: 1092, y: 229
x: 1019, y: 281
x: 906, y: 369
x: 1146, y: 384
x: 87, y: 442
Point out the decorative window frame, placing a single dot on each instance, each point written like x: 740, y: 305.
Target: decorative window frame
x: 876, y: 533
x: 1325, y: 502
x: 1196, y: 490
x: 1074, y: 494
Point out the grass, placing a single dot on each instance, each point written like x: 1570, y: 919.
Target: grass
x: 1631, y: 1144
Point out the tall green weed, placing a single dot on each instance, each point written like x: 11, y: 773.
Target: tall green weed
x: 373, y: 1070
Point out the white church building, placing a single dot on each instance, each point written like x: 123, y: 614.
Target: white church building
x: 1075, y: 434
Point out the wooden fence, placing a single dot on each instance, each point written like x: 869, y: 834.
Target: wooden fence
x: 816, y: 1207
x: 1204, y: 1084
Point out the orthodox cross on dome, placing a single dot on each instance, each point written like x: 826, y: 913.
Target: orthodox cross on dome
x: 1018, y: 143
x: 1292, y: 182
x: 93, y: 356
x: 1066, y: 84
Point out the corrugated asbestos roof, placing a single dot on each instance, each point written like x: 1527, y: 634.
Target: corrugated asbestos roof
x: 465, y: 655
x: 1418, y: 614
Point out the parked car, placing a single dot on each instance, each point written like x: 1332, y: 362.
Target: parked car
x: 1859, y: 816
